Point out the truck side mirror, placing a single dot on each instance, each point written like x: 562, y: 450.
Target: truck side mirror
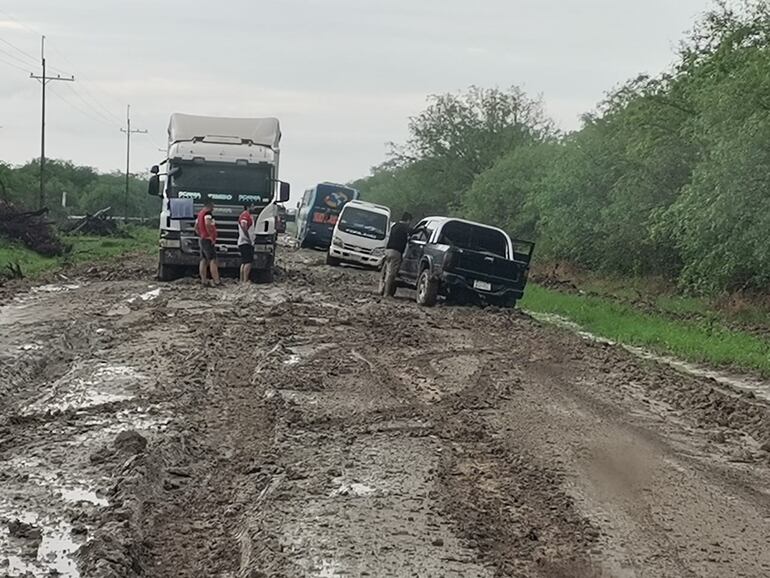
x: 284, y: 191
x: 153, y: 188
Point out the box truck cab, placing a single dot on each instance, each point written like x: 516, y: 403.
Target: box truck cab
x: 318, y: 212
x: 231, y: 162
x: 360, y: 235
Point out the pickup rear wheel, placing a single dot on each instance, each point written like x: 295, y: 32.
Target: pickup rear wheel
x: 427, y: 288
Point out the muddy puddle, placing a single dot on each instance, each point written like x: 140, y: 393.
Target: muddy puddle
x: 47, y: 548
x: 757, y: 387
x: 151, y: 294
x: 88, y: 384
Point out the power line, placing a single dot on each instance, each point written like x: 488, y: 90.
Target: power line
x: 84, y: 82
x: 19, y: 50
x: 85, y: 112
x: 11, y: 55
x: 129, y: 131
x: 100, y: 115
x: 44, y: 80
x: 16, y: 66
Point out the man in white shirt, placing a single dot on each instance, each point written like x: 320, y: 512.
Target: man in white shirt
x: 246, y: 241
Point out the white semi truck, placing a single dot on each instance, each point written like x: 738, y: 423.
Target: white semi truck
x: 231, y: 162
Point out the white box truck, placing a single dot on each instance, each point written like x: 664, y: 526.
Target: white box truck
x: 360, y: 235
x: 231, y: 162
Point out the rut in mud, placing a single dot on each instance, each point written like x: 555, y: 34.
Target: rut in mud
x: 311, y: 428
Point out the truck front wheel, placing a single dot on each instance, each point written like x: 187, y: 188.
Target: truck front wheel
x: 168, y: 272
x: 263, y: 275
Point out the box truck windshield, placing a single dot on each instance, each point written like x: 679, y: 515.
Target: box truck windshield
x: 363, y: 223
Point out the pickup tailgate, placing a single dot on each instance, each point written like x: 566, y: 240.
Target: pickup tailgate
x: 488, y: 267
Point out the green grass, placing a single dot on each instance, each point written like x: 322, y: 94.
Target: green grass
x: 658, y: 294
x: 88, y: 248
x: 702, y: 341
x: 85, y: 248
x: 31, y: 263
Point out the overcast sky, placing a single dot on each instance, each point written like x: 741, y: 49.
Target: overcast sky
x: 343, y: 76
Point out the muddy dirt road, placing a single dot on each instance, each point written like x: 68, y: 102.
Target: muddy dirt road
x: 311, y: 428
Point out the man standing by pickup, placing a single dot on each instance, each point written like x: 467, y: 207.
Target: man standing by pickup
x: 246, y: 242
x: 399, y: 235
x: 207, y: 231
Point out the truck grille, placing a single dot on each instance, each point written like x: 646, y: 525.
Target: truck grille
x: 356, y: 249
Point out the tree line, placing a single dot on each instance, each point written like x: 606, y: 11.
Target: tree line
x: 670, y: 176
x: 87, y: 190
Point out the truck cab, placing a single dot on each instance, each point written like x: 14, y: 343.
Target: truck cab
x: 360, y: 235
x: 232, y: 162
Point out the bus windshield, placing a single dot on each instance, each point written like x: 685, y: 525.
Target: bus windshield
x: 234, y: 184
x: 364, y: 223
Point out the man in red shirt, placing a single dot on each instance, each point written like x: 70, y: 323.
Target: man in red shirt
x: 206, y: 229
x: 246, y: 241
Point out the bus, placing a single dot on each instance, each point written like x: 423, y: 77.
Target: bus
x: 318, y: 212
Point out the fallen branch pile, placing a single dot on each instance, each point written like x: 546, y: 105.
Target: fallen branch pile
x: 99, y: 223
x: 31, y: 228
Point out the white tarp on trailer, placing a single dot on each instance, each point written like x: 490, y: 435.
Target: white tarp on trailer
x: 261, y: 131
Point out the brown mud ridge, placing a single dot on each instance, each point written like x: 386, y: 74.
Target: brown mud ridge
x: 311, y: 428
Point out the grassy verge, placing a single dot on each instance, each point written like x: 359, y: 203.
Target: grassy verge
x: 702, y: 340
x: 734, y: 310
x: 85, y: 248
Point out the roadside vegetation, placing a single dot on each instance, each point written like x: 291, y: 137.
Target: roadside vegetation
x: 86, y: 191
x: 667, y: 177
x: 678, y: 328
x: 661, y: 197
x: 82, y: 248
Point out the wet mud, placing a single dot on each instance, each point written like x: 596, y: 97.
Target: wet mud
x: 312, y: 428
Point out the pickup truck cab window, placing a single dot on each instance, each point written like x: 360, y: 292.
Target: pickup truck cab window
x: 474, y: 238
x: 419, y: 233
x: 430, y: 228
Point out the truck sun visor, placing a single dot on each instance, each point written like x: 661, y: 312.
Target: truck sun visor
x: 181, y: 208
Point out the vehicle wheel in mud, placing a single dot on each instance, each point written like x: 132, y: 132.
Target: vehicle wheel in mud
x: 263, y: 275
x: 427, y: 289
x: 389, y: 286
x: 168, y: 272
x: 331, y: 261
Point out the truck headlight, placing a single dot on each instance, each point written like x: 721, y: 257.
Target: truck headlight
x: 379, y: 252
x: 337, y: 242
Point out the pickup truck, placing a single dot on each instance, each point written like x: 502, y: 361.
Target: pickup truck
x: 464, y: 262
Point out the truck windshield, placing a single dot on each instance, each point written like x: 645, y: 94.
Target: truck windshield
x: 364, y: 223
x: 474, y: 238
x: 221, y: 184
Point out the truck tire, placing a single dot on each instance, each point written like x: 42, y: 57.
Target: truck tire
x: 427, y: 288
x: 167, y: 272
x: 332, y: 261
x: 263, y: 275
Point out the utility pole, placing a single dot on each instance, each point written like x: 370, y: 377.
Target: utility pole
x: 43, y: 81
x: 129, y: 131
